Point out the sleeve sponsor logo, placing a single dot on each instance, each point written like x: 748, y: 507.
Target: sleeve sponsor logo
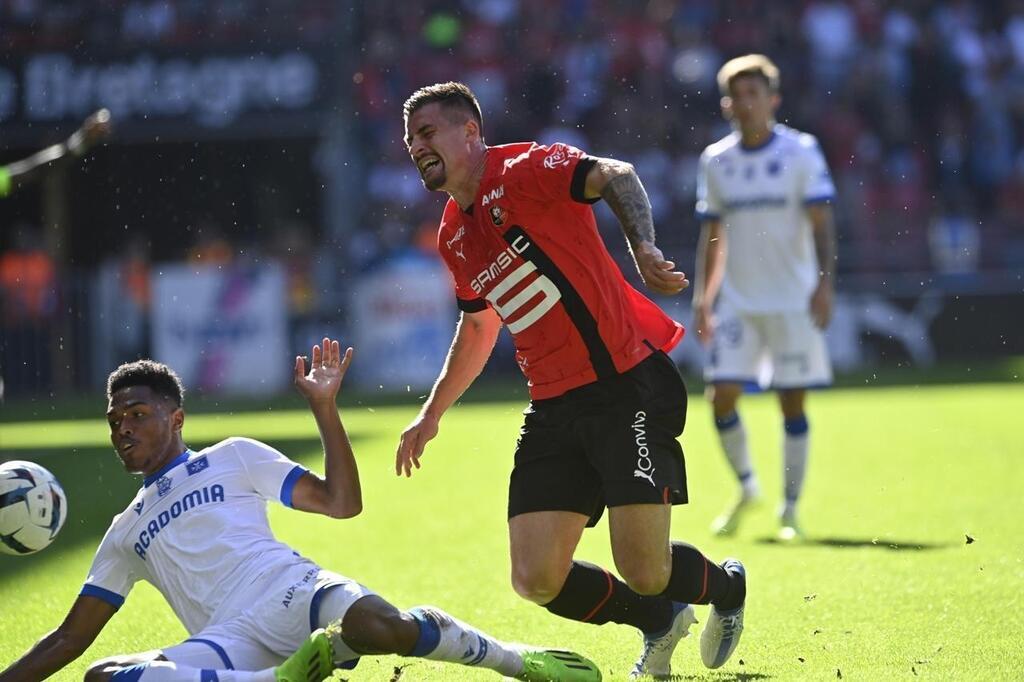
x: 458, y: 235
x: 558, y: 157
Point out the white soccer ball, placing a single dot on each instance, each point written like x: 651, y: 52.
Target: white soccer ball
x: 33, y: 507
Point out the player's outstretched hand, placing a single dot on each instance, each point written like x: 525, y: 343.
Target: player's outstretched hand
x: 659, y: 275
x: 326, y: 371
x: 412, y: 442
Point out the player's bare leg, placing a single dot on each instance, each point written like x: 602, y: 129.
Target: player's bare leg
x: 541, y: 546
x: 543, y: 571
x: 374, y: 626
x: 794, y: 459
x: 733, y: 437
x: 675, y: 571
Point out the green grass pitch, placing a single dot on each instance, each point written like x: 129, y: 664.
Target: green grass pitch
x: 886, y: 587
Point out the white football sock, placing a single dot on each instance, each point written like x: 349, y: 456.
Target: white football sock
x: 446, y: 638
x: 166, y: 671
x: 795, y: 445
x: 733, y: 437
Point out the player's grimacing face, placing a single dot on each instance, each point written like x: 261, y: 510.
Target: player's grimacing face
x: 751, y: 102
x: 143, y: 428
x: 436, y: 143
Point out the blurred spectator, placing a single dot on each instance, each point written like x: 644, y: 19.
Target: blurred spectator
x: 212, y: 247
x: 911, y: 100
x: 40, y: 24
x: 28, y: 299
x: 122, y: 302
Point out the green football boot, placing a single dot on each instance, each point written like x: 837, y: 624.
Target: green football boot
x: 313, y: 662
x: 553, y: 665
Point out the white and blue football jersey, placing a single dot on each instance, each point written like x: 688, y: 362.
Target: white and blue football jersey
x: 198, y: 532
x: 760, y: 196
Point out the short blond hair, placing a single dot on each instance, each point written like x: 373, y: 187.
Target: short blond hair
x: 748, y: 65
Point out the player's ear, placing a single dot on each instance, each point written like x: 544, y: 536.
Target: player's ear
x: 178, y: 419
x: 473, y: 131
x: 726, y: 104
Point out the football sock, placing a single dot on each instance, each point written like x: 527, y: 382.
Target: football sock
x: 593, y: 595
x: 733, y: 437
x: 166, y: 671
x: 446, y: 638
x: 697, y: 580
x: 794, y: 451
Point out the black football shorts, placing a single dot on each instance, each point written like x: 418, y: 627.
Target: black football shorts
x: 605, y: 444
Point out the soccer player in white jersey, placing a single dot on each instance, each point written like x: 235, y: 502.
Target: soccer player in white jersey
x: 766, y: 256
x: 198, y: 532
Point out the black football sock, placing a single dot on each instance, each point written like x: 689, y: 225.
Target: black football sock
x: 593, y: 595
x: 696, y: 579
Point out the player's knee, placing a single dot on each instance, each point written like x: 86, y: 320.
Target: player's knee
x: 385, y: 632
x: 792, y: 403
x: 537, y: 585
x: 724, y: 398
x: 645, y: 579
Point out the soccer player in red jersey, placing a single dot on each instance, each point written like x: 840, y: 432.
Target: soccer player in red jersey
x: 607, y: 404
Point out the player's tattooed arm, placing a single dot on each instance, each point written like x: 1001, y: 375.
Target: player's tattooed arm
x: 617, y: 183
x: 626, y: 196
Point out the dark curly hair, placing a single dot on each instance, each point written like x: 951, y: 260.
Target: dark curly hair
x: 160, y: 378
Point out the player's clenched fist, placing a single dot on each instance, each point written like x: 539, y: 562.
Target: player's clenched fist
x: 659, y: 275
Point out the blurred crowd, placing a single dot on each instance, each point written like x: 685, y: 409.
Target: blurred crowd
x: 96, y: 24
x: 919, y: 106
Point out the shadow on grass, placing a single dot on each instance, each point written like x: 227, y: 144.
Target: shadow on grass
x: 855, y: 543
x: 98, y: 488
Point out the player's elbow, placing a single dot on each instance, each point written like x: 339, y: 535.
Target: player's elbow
x: 346, y: 509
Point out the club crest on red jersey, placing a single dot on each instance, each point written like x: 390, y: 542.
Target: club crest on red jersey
x: 498, y: 215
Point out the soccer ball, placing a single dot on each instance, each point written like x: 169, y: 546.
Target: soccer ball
x: 32, y: 507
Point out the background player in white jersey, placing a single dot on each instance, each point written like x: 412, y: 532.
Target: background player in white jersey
x: 767, y: 255
x: 198, y: 532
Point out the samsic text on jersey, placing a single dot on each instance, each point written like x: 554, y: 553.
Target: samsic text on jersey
x: 529, y: 248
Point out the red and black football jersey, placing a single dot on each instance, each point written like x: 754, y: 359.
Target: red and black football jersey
x: 529, y: 248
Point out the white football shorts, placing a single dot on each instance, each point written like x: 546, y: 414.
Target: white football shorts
x: 270, y: 631
x: 770, y: 351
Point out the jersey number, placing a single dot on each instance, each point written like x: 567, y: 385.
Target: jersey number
x: 541, y: 285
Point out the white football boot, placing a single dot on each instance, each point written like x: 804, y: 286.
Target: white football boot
x: 656, y: 658
x: 722, y: 631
